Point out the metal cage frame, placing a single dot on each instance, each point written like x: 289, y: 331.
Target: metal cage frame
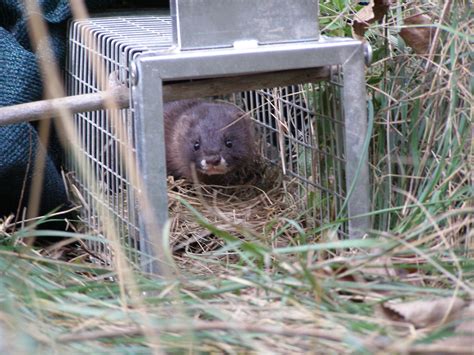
x: 151, y: 70
x: 149, y: 64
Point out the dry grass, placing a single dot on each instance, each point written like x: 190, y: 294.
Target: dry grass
x: 250, y: 276
x: 255, y: 212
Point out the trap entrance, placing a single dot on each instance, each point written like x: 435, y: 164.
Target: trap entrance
x: 118, y: 164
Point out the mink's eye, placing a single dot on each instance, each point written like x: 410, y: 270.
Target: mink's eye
x: 197, y: 145
x: 228, y: 143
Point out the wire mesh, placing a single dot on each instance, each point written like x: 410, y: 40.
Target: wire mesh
x: 99, y: 47
x: 301, y: 126
x: 302, y: 130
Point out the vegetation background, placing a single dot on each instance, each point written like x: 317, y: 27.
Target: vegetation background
x: 406, y: 289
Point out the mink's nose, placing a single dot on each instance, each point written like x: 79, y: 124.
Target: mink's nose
x: 213, y: 160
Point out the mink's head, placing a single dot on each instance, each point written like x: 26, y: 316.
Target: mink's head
x: 215, y: 138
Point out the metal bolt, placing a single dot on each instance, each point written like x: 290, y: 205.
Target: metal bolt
x: 368, y: 53
x: 133, y: 74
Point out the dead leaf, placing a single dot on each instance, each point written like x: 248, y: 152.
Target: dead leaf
x: 424, y: 313
x: 373, y: 12
x: 418, y: 38
x: 464, y: 332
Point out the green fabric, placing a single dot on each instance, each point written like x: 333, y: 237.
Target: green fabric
x: 20, y: 82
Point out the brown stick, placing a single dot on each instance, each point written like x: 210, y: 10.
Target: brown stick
x: 171, y: 91
x: 201, y: 326
x: 37, y: 110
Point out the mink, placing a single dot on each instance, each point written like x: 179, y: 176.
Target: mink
x: 213, y: 139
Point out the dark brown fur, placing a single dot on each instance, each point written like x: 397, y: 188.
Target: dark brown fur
x: 219, y: 131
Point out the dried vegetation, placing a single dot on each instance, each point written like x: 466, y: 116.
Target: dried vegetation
x: 247, y: 274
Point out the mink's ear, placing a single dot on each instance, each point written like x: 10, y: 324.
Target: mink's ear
x: 182, y: 127
x: 185, y: 118
x: 189, y: 121
x: 185, y: 124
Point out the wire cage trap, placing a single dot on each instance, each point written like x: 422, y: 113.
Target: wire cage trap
x: 309, y: 145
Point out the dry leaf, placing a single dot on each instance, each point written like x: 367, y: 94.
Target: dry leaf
x: 365, y: 14
x: 424, y: 313
x: 374, y: 11
x: 464, y: 332
x: 418, y: 38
